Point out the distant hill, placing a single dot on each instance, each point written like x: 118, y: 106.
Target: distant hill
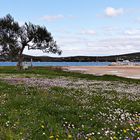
x: 113, y: 58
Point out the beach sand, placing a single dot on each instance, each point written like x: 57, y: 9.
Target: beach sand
x: 122, y: 71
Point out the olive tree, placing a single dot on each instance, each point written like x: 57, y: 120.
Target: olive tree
x: 14, y: 38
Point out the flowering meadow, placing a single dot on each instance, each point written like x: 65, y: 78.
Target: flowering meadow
x: 48, y: 104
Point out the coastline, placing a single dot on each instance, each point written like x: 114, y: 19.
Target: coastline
x: 122, y: 71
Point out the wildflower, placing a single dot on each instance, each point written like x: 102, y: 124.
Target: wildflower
x: 115, y: 126
x: 82, y: 126
x: 124, y: 131
x: 115, y: 138
x: 51, y: 137
x: 111, y: 138
x: 69, y: 136
x: 132, y: 128
x: 57, y: 137
x: 133, y: 134
x: 72, y: 125
x: 42, y: 126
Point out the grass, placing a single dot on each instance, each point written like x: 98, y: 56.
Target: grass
x: 52, y: 72
x: 61, y: 113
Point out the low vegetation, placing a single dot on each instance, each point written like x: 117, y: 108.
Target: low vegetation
x: 47, y: 103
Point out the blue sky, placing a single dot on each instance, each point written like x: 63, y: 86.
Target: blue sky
x: 82, y: 27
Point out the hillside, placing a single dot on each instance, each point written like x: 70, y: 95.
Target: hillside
x: 113, y: 58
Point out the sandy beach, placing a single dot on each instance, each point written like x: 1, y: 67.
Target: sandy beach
x: 123, y: 71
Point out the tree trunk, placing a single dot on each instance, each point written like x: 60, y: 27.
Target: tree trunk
x: 20, y: 59
x: 19, y: 64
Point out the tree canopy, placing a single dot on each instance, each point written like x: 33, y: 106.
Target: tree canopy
x: 14, y: 38
x: 8, y: 37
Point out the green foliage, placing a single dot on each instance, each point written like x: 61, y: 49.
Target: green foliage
x: 8, y: 35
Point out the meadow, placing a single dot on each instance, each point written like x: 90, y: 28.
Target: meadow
x: 48, y: 103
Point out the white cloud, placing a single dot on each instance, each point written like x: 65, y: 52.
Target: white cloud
x: 109, y: 46
x: 88, y: 32
x: 119, y: 45
x: 52, y: 18
x: 110, y: 28
x: 132, y: 32
x: 77, y: 44
x: 70, y: 40
x: 113, y: 12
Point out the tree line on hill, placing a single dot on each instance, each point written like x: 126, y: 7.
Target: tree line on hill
x: 135, y: 57
x: 131, y: 57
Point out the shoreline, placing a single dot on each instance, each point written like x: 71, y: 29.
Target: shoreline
x: 122, y: 71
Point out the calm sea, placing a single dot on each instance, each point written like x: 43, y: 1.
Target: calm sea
x: 60, y: 63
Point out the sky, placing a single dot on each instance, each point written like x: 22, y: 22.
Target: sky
x: 82, y: 27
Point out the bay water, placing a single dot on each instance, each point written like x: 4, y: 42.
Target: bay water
x: 60, y: 63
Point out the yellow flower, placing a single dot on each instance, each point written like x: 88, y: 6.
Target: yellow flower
x: 124, y: 131
x: 89, y: 138
x: 132, y: 128
x: 69, y: 136
x: 115, y: 138
x: 51, y: 137
x: 42, y: 126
